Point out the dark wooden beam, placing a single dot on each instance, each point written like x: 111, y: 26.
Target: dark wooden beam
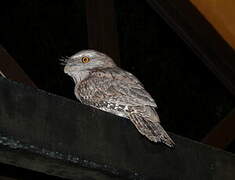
x: 50, y: 166
x: 10, y: 69
x: 101, y: 27
x: 200, y: 35
x: 61, y: 137
x: 223, y: 133
x: 6, y: 178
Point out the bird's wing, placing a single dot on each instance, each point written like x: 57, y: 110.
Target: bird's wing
x: 119, y: 87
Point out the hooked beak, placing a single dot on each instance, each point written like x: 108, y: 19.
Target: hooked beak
x: 66, y: 69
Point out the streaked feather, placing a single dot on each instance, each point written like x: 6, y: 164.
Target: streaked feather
x: 101, y: 84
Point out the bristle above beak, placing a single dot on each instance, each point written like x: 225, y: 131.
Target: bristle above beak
x: 64, y: 60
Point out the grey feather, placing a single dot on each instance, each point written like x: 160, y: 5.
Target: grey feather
x: 101, y: 84
x: 152, y: 130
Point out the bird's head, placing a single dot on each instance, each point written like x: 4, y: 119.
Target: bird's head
x: 86, y: 60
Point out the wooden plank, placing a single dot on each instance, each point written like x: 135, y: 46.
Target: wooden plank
x: 10, y: 69
x: 221, y: 15
x: 61, y: 137
x: 101, y: 27
x: 6, y: 178
x: 200, y: 35
x: 49, y: 166
x: 223, y: 133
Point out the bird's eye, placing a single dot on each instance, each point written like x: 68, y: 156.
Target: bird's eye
x: 85, y: 59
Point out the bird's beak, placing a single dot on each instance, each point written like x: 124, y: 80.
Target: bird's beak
x: 69, y: 68
x: 66, y: 69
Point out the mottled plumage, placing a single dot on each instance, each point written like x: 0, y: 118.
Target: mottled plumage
x: 101, y: 84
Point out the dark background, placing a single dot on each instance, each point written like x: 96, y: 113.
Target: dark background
x: 190, y: 98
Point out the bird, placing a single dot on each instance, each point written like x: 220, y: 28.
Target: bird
x: 101, y: 84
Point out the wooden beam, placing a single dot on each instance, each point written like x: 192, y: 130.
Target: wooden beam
x: 220, y: 15
x: 223, y: 133
x: 61, y: 137
x: 200, y: 35
x: 49, y: 166
x: 6, y: 178
x: 210, y: 47
x: 10, y: 69
x: 101, y: 27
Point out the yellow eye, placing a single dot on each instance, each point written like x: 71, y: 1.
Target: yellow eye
x: 85, y: 59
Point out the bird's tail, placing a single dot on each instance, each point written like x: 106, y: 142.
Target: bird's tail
x: 152, y: 130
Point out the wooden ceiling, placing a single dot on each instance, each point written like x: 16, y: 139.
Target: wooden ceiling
x: 221, y: 15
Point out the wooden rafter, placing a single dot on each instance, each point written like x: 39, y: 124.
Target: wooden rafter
x: 200, y: 35
x: 211, y: 49
x: 223, y: 133
x: 10, y: 69
x: 54, y: 135
x: 101, y: 27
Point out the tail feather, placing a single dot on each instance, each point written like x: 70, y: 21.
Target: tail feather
x: 152, y: 130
